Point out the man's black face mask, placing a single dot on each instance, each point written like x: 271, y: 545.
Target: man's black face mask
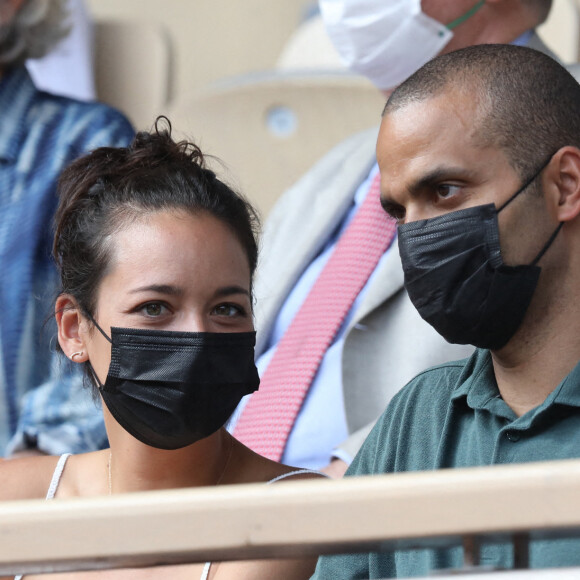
x: 171, y: 389
x: 456, y: 278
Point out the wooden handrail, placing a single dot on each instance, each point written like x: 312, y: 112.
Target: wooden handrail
x: 304, y: 517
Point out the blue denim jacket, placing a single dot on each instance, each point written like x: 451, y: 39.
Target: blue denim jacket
x: 41, y: 399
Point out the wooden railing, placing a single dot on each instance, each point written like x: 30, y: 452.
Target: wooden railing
x: 424, y: 509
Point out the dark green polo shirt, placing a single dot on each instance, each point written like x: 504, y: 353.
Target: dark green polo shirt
x: 453, y: 416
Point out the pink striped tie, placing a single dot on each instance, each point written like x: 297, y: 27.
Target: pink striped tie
x: 267, y: 419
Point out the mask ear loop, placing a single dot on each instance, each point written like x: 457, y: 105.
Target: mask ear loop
x: 527, y: 183
x: 547, y: 244
x: 466, y: 16
x: 89, y: 316
x: 99, y: 384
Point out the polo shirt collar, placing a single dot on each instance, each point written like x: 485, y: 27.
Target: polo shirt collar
x: 478, y: 386
x: 477, y: 381
x: 17, y: 95
x: 480, y: 389
x: 568, y: 392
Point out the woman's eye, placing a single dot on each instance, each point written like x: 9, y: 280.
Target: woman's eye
x: 228, y: 310
x: 154, y: 309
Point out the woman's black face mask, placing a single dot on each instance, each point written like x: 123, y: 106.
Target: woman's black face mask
x: 456, y: 278
x: 171, y: 389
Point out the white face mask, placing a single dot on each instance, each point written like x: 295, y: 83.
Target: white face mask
x: 385, y: 40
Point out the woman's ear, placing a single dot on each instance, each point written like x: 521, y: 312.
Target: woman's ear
x: 565, y: 183
x: 69, y: 320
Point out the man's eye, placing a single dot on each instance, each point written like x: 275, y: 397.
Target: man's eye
x: 445, y: 190
x: 228, y: 310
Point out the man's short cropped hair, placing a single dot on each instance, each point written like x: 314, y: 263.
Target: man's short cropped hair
x: 529, y: 105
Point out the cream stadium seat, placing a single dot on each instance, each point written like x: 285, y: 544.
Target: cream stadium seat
x: 213, y: 39
x: 269, y: 128
x: 561, y: 32
x: 133, y: 68
x: 309, y: 47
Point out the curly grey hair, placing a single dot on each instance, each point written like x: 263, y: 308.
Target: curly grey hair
x: 32, y: 31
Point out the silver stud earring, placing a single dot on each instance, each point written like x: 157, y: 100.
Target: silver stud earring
x: 79, y: 353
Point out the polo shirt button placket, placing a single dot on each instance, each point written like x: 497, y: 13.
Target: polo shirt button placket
x: 513, y: 436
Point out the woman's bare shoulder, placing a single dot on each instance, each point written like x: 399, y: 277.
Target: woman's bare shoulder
x: 26, y: 477
x: 253, y: 468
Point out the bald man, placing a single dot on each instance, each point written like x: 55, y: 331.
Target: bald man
x: 479, y: 154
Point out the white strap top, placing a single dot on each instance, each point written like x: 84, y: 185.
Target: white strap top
x: 57, y: 475
x: 53, y: 484
x: 205, y: 573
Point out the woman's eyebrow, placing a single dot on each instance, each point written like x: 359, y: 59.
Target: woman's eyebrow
x: 229, y: 290
x: 160, y: 289
x: 176, y: 291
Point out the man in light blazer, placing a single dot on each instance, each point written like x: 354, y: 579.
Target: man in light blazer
x: 384, y: 343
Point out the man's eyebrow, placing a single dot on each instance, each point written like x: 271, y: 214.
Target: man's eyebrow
x: 160, y: 289
x: 230, y: 290
x: 438, y: 175
x: 391, y: 207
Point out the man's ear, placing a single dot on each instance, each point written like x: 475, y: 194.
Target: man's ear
x: 69, y: 320
x: 563, y: 184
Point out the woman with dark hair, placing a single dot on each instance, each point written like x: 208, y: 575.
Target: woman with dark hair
x: 156, y: 257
